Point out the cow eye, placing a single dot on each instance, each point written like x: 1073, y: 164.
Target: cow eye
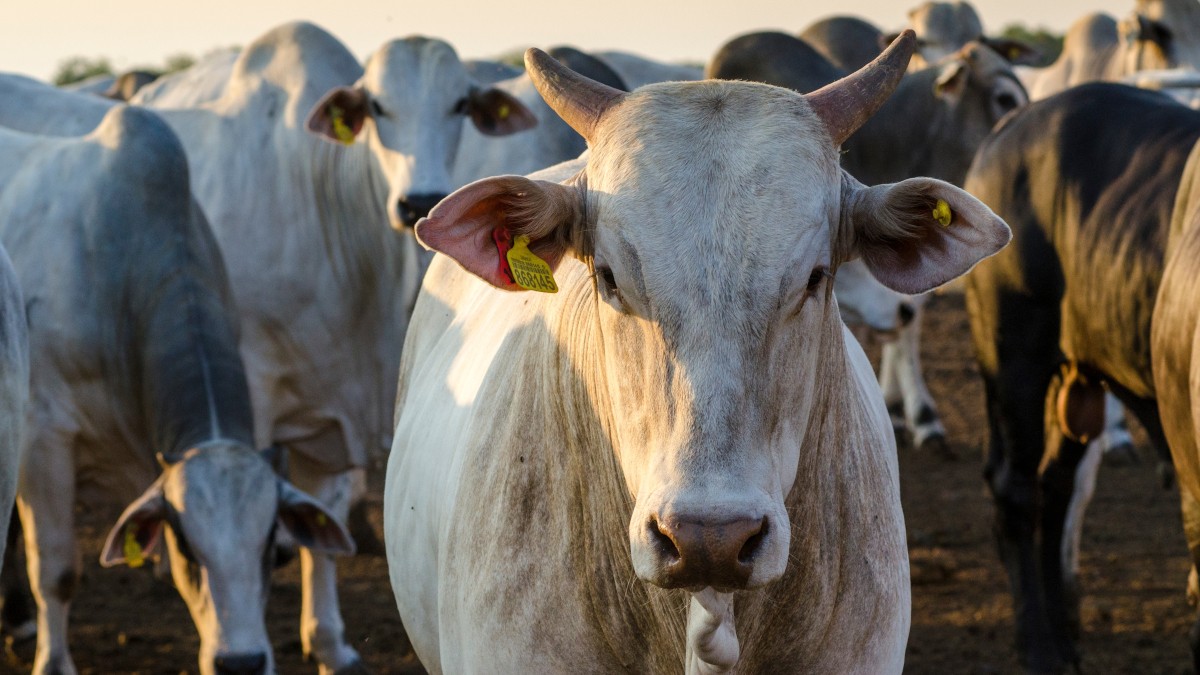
x: 460, y: 107
x: 376, y: 109
x: 606, y: 281
x: 1006, y: 102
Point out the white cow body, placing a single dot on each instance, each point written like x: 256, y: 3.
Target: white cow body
x: 681, y: 459
x: 134, y: 352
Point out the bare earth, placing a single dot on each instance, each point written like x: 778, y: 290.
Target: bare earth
x: 1133, y: 570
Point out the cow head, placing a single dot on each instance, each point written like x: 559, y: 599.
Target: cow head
x: 409, y: 105
x: 976, y: 87
x: 713, y: 215
x: 216, y: 511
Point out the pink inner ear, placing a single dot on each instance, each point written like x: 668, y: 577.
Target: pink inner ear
x: 504, y: 244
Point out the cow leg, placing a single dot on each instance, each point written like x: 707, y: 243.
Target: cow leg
x: 905, y: 391
x: 1116, y: 441
x: 18, y: 614
x: 46, y: 503
x: 1060, y: 512
x: 1190, y: 509
x: 322, y: 631
x: 1081, y: 498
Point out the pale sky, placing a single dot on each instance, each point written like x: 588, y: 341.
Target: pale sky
x: 36, y: 35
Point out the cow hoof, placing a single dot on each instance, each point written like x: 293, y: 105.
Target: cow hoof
x: 357, y: 667
x: 937, y: 446
x: 20, y: 651
x: 1122, y: 455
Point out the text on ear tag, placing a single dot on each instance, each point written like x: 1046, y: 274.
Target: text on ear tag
x: 133, y: 550
x: 529, y: 271
x: 343, y: 132
x: 942, y: 213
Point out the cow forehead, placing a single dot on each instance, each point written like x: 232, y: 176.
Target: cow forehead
x: 416, y: 68
x: 219, y: 486
x: 713, y: 181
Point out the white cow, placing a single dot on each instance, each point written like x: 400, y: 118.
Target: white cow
x: 14, y: 388
x: 681, y: 460
x: 638, y: 71
x: 134, y: 352
x: 323, y: 286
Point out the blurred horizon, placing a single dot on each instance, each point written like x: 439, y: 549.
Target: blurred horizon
x: 135, y: 33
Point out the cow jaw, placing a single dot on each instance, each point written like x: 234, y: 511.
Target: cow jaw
x: 220, y: 563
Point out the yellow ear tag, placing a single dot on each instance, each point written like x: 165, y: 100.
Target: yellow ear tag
x: 503, y: 111
x: 942, y: 213
x: 133, y: 550
x: 322, y: 520
x: 529, y: 271
x: 340, y: 129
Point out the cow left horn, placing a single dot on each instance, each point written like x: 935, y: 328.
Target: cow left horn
x: 847, y: 104
x: 579, y: 100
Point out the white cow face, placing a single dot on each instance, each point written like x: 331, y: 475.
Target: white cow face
x: 414, y: 93
x: 711, y: 214
x: 218, y: 509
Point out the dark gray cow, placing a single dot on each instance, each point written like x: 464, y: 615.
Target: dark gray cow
x: 14, y: 388
x: 1064, y: 313
x: 930, y: 126
x: 846, y: 41
x: 135, y: 352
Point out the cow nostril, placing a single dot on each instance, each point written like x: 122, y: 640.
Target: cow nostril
x: 415, y: 207
x: 241, y: 664
x: 662, y: 541
x: 906, y: 313
x: 753, y: 544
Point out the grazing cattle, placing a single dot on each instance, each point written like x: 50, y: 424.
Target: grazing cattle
x: 1159, y: 34
x: 14, y: 388
x: 663, y: 466
x: 323, y: 286
x: 930, y: 126
x: 1064, y: 314
x: 551, y: 142
x: 134, y: 352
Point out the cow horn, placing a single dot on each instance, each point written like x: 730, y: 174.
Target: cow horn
x: 847, y: 104
x: 579, y: 100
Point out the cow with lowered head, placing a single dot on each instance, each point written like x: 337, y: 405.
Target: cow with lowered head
x: 680, y: 460
x: 135, y: 354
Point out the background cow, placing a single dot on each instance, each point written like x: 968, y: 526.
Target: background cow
x: 14, y: 388
x: 1066, y: 308
x: 134, y: 352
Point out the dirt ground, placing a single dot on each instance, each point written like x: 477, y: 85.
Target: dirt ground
x: 1133, y: 569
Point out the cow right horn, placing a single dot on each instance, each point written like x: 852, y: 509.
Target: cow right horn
x: 847, y: 104
x: 579, y: 100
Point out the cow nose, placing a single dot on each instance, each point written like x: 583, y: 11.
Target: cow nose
x: 241, y: 664
x: 695, y: 553
x: 415, y: 207
x: 906, y: 313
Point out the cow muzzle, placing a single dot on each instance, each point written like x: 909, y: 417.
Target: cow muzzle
x: 697, y: 553
x: 240, y: 664
x: 412, y: 208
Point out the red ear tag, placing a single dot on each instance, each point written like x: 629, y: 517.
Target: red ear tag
x: 504, y: 244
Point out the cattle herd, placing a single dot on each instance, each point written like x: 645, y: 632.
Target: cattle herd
x: 594, y: 314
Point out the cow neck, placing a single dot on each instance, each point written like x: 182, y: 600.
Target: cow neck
x: 348, y: 192
x: 191, y: 380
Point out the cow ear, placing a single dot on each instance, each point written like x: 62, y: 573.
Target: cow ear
x: 498, y: 113
x: 340, y: 115
x: 952, y: 80
x: 311, y: 524
x: 918, y: 234
x: 138, y: 532
x: 1015, y: 52
x: 477, y: 225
